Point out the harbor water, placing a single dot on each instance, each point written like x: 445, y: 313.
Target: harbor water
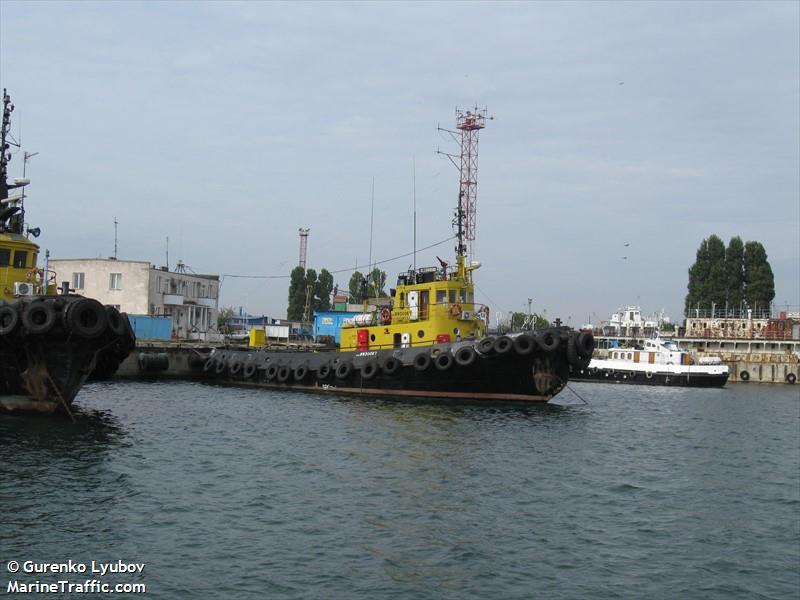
x: 640, y: 492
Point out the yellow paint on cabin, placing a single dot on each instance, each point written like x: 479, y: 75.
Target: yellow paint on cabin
x: 439, y: 304
x: 18, y: 256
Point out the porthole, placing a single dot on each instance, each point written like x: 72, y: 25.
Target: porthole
x: 456, y: 330
x: 372, y: 338
x: 421, y: 334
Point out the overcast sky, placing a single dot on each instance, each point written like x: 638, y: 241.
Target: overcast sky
x: 228, y: 126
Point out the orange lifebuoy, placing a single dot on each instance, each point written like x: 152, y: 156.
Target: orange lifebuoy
x: 455, y: 310
x: 386, y: 315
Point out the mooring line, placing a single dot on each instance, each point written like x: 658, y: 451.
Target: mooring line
x: 577, y: 394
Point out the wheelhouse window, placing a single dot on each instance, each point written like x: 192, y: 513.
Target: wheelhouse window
x: 77, y: 281
x: 20, y: 258
x: 115, y: 281
x: 5, y: 257
x: 441, y: 296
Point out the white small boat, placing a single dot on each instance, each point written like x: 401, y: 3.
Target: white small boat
x: 659, y: 362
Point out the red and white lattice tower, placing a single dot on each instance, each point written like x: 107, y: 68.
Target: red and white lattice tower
x: 303, y: 246
x: 469, y: 123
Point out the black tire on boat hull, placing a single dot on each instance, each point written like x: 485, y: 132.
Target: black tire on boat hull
x: 9, y: 319
x: 38, y: 317
x: 87, y: 318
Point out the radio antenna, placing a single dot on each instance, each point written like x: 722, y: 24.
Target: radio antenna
x: 414, y: 177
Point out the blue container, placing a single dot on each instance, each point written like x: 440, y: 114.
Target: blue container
x: 147, y: 327
x: 329, y: 323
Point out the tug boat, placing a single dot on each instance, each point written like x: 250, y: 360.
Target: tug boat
x: 657, y: 362
x: 429, y: 341
x: 50, y: 342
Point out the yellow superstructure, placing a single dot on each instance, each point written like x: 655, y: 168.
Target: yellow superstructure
x: 18, y: 257
x: 429, y: 305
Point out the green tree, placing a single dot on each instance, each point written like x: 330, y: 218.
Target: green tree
x: 759, y: 281
x: 734, y: 272
x: 698, y: 278
x: 323, y: 290
x: 357, y: 287
x: 297, y: 294
x: 224, y: 317
x: 707, y: 275
x: 520, y: 320
x: 739, y: 273
x: 309, y: 288
x: 717, y: 286
x: 377, y: 279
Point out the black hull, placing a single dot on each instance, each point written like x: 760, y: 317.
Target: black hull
x: 46, y: 355
x: 513, y: 375
x: 664, y: 379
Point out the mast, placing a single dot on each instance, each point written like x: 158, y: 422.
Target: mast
x: 468, y: 123
x: 12, y: 214
x: 5, y: 155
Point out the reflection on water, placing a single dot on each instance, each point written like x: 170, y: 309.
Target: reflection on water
x: 236, y: 492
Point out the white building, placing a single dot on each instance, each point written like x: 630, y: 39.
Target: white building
x: 139, y: 288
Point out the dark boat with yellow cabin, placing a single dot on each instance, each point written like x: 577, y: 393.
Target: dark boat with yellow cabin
x: 429, y: 341
x: 50, y: 342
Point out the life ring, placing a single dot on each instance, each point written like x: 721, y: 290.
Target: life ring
x: 465, y: 356
x: 391, y: 365
x: 386, y: 315
x: 443, y: 361
x: 38, y: 317
x: 369, y: 370
x: 31, y: 274
x: 744, y: 376
x: 503, y: 344
x: 791, y: 378
x: 524, y: 344
x: 9, y: 318
x: 455, y: 310
x: 422, y: 361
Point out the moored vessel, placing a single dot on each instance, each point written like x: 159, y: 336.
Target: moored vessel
x: 49, y: 342
x: 656, y: 362
x: 428, y: 340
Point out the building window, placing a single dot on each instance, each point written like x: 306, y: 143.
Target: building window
x: 115, y: 281
x: 77, y: 281
x: 20, y: 257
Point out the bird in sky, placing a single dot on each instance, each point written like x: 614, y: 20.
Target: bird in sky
x: 627, y: 244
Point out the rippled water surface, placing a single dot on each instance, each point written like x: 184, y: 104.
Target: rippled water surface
x: 238, y: 493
